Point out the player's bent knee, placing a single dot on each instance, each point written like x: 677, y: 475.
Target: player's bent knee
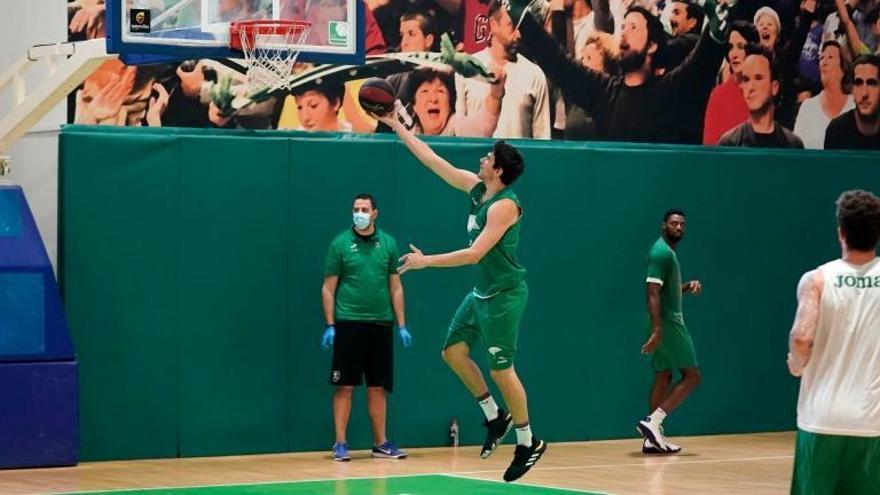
x: 693, y: 377
x: 446, y: 355
x: 453, y: 354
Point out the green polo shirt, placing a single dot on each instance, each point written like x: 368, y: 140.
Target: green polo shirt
x: 363, y: 265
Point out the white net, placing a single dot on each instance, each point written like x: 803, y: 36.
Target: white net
x: 270, y: 50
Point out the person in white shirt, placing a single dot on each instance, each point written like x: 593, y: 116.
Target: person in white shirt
x: 525, y: 107
x: 835, y: 349
x: 817, y: 112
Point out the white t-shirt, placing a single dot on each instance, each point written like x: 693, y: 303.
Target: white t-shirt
x: 582, y: 28
x: 840, y: 387
x: 812, y: 121
x: 525, y: 107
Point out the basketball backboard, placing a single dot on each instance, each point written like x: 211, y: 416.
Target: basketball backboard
x: 141, y: 30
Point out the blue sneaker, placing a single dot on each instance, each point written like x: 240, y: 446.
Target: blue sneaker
x: 340, y: 452
x: 388, y: 451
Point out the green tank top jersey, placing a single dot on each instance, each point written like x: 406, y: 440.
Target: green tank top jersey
x: 663, y: 268
x: 499, y: 270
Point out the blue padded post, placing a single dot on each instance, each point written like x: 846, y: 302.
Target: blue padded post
x: 39, y: 403
x: 39, y: 422
x: 32, y: 323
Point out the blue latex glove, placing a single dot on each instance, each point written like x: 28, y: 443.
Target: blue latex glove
x: 405, y: 337
x: 329, y: 336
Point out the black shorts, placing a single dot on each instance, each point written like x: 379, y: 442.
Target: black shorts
x: 363, y: 349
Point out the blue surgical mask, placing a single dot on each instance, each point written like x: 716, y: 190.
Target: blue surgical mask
x: 361, y: 220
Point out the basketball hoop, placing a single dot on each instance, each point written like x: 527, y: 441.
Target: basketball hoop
x: 270, y: 48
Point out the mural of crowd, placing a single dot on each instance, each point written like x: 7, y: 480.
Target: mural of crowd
x: 774, y: 73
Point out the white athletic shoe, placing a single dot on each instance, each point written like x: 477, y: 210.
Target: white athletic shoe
x: 648, y: 448
x: 653, y: 434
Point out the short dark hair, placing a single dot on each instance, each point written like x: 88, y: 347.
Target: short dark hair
x: 762, y: 51
x: 694, y: 12
x: 656, y: 32
x: 368, y: 197
x: 495, y: 6
x: 670, y: 212
x: 427, y: 24
x: 333, y: 91
x: 844, y: 61
x: 858, y: 215
x: 509, y: 160
x: 427, y: 74
x: 866, y: 59
x: 745, y: 29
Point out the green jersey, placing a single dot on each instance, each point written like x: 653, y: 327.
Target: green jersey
x: 663, y: 269
x: 499, y: 269
x: 363, y: 265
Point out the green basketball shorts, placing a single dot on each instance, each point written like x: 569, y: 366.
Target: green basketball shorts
x: 676, y: 350
x: 836, y: 465
x: 494, y: 321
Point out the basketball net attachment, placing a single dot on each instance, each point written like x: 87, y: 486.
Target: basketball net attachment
x: 270, y: 48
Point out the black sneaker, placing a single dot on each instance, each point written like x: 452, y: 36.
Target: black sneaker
x: 648, y: 448
x: 497, y: 429
x: 524, y: 458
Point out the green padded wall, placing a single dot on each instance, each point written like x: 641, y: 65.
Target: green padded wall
x: 120, y: 263
x: 233, y: 294
x: 191, y: 263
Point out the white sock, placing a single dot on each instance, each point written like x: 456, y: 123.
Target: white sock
x: 490, y: 408
x: 524, y: 435
x: 658, y: 416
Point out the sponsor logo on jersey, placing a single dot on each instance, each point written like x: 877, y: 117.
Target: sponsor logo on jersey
x: 472, y: 224
x: 857, y: 282
x: 481, y: 28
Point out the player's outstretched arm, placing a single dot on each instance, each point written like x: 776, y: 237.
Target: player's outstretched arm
x: 460, y: 179
x: 803, y: 331
x: 502, y: 215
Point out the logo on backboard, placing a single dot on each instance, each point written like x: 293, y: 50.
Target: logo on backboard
x: 139, y: 20
x: 337, y: 33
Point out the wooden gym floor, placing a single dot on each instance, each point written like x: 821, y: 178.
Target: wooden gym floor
x: 754, y: 464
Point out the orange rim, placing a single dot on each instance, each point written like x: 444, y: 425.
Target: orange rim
x: 270, y: 27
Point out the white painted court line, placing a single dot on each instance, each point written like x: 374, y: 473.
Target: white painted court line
x: 458, y: 474
x: 638, y: 464
x: 259, y: 483
x: 256, y: 483
x: 535, y: 485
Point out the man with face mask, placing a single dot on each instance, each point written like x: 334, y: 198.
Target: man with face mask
x: 362, y: 296
x: 669, y: 342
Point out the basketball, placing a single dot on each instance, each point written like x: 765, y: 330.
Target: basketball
x: 377, y: 96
